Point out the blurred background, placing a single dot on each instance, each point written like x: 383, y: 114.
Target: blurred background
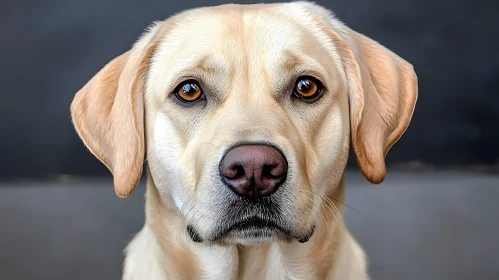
x: 436, y: 215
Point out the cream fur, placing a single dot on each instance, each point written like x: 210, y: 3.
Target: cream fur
x: 245, y: 57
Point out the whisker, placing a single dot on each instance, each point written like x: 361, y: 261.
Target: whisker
x: 322, y: 218
x: 350, y: 207
x: 322, y: 204
x: 182, y: 220
x: 331, y: 204
x: 332, y: 208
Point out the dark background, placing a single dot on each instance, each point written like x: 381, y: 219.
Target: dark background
x: 434, y: 217
x: 50, y: 49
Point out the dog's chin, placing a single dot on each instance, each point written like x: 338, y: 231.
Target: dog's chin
x: 261, y: 235
x: 251, y: 236
x: 251, y: 231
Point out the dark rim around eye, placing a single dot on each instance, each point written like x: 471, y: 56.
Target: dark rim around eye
x: 313, y: 97
x: 182, y: 84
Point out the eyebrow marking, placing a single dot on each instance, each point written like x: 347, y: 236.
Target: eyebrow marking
x: 213, y: 77
x: 293, y: 67
x: 291, y: 61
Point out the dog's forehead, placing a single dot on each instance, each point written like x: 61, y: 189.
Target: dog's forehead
x: 263, y: 43
x: 231, y: 33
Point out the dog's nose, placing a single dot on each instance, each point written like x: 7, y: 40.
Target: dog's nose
x: 253, y: 170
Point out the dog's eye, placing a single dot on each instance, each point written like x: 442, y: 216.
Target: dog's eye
x: 307, y: 88
x: 189, y: 91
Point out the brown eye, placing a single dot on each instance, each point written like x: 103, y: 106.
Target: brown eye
x: 189, y: 91
x: 307, y: 88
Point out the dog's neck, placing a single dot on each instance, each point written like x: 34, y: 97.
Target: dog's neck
x: 314, y: 259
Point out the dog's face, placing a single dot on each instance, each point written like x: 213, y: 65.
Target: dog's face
x: 245, y: 114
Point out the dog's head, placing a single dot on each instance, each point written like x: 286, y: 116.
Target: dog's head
x: 245, y: 114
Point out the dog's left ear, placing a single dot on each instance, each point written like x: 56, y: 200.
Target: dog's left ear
x: 383, y: 90
x: 108, y: 114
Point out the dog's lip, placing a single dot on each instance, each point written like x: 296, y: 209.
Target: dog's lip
x: 252, y: 224
x: 255, y: 223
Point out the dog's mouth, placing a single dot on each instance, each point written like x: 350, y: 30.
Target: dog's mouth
x: 251, y: 230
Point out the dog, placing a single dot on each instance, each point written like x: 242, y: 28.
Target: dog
x: 245, y: 115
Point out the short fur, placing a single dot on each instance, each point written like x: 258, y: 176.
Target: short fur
x: 246, y: 58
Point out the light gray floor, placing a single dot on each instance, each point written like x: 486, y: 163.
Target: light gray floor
x: 413, y: 226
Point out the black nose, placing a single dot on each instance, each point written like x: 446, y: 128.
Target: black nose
x: 253, y: 170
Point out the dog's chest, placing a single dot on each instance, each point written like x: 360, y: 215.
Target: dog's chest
x: 218, y: 262
x: 241, y: 263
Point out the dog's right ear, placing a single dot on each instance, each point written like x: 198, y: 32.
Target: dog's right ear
x: 108, y: 114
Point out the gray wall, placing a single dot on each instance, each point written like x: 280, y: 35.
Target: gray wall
x: 50, y: 48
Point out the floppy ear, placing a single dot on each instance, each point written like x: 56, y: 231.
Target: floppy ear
x: 108, y: 115
x: 382, y: 92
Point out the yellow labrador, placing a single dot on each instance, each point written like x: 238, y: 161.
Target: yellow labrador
x: 245, y: 114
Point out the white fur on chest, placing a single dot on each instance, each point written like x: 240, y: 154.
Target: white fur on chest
x: 145, y: 260
x: 218, y: 262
